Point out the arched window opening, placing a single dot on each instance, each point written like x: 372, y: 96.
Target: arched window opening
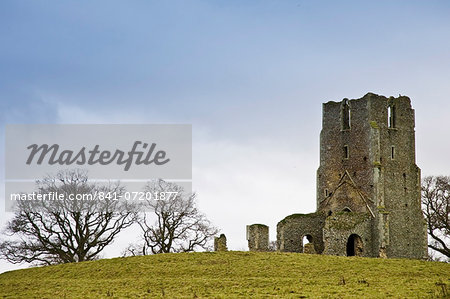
x: 308, y: 245
x: 391, y: 116
x: 346, y: 121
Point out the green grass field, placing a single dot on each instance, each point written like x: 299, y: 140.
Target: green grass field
x: 231, y: 275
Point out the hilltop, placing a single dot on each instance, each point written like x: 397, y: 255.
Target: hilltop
x: 231, y: 274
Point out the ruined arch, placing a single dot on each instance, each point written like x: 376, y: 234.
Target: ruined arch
x: 355, y: 245
x: 308, y: 245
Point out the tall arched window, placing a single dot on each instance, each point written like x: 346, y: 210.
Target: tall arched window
x: 391, y: 116
x: 346, y: 115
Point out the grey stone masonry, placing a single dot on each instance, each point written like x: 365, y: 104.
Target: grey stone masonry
x: 368, y: 184
x: 258, y: 237
x: 220, y: 243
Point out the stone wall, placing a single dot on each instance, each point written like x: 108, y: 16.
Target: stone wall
x: 341, y: 226
x: 292, y: 229
x: 344, y: 150
x: 258, y: 237
x: 220, y: 243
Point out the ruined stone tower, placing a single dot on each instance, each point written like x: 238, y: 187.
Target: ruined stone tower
x: 368, y: 185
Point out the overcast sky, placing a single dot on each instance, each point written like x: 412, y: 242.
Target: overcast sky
x: 250, y: 76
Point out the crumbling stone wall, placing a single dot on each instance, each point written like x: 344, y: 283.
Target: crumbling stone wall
x: 402, y: 231
x: 344, y: 154
x: 292, y: 229
x: 220, y: 243
x: 340, y: 226
x: 258, y: 237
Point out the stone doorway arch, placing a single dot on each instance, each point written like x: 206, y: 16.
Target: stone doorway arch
x: 355, y: 245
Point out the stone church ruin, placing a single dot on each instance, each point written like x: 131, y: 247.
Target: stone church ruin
x: 368, y: 185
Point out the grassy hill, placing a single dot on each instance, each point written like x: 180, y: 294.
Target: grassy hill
x: 231, y: 274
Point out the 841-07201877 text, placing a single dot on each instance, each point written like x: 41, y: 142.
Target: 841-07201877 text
x: 137, y: 195
x: 97, y: 195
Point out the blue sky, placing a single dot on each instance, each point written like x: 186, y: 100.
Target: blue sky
x: 250, y: 76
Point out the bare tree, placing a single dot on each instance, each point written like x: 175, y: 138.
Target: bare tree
x: 174, y: 224
x: 64, y: 231
x: 436, y: 207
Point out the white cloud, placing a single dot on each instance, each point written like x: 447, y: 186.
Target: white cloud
x: 241, y: 184
x: 237, y: 183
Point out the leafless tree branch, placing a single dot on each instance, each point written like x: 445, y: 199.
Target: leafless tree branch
x: 436, y: 208
x: 174, y: 224
x: 51, y: 232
